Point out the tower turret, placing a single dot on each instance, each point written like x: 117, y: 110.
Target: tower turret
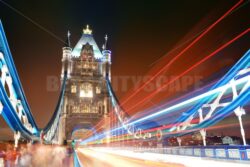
x: 106, y: 59
x: 66, y: 58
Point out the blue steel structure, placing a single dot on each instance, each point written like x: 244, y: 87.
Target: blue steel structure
x: 14, y: 106
x: 10, y: 77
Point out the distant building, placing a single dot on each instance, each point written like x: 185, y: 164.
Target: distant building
x: 231, y: 140
x: 196, y: 140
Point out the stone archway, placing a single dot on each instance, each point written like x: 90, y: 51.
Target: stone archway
x: 79, y: 127
x: 82, y: 131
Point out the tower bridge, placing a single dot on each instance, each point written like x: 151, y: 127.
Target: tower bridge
x: 89, y: 112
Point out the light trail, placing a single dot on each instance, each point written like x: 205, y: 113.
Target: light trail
x: 174, y: 101
x: 125, y: 158
x: 100, y: 158
x: 177, y: 106
x: 190, y: 69
x: 199, y: 97
x: 98, y: 126
x: 172, y: 108
x: 153, y: 131
x: 193, y: 121
x: 169, y: 63
x: 183, y: 51
x: 182, y: 74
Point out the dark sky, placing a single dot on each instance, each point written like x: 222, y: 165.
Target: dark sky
x: 140, y: 32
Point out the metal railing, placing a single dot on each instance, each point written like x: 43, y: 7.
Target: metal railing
x: 214, y: 152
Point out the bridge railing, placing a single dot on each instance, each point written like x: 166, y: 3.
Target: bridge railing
x: 214, y: 152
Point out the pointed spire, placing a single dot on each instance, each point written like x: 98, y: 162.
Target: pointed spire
x: 105, y: 44
x: 67, y: 42
x: 87, y: 30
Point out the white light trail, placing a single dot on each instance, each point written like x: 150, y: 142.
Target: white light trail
x: 182, y: 104
x: 199, y: 97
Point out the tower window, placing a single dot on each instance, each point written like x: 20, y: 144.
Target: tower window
x: 94, y: 109
x: 75, y: 109
x: 98, y: 90
x: 73, y: 88
x: 85, y: 108
x: 86, y: 90
x: 85, y: 65
x: 94, y: 66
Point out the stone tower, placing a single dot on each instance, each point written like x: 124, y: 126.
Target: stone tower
x: 86, y: 99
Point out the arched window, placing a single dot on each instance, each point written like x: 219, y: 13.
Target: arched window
x: 94, y: 109
x: 75, y: 109
x: 85, y: 108
x: 100, y: 107
x: 98, y: 90
x: 73, y: 89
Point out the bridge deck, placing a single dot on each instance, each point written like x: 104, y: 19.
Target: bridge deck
x: 120, y: 158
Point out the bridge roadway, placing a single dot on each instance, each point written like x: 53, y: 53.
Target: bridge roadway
x: 100, y: 157
x: 95, y: 158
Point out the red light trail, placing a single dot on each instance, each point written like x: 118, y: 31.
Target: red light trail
x: 189, y: 69
x: 184, y: 73
x: 174, y: 59
x: 181, y: 53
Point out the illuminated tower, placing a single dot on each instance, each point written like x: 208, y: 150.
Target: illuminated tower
x: 86, y: 99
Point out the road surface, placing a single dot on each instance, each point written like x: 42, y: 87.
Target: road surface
x: 108, y: 157
x: 94, y: 158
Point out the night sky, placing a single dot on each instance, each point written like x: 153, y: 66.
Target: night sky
x: 140, y: 32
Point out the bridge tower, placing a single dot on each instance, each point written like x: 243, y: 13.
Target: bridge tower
x: 86, y: 99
